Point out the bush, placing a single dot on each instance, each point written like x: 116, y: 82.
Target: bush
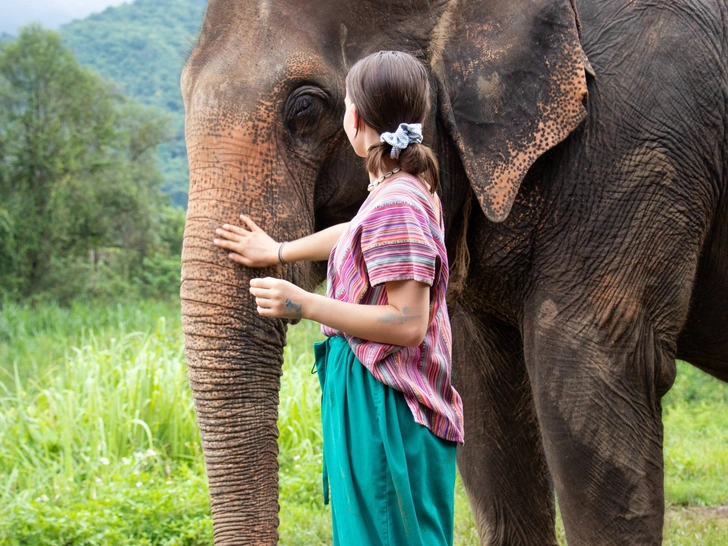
x: 160, y: 275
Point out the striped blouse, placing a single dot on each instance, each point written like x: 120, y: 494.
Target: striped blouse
x: 397, y: 235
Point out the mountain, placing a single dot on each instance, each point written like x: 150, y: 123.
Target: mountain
x: 142, y: 46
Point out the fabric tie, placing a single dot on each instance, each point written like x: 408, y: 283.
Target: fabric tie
x: 406, y: 134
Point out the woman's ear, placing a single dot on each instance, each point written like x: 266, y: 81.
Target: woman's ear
x: 355, y: 128
x: 355, y: 118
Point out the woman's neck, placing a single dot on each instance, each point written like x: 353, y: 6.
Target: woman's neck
x: 371, y: 138
x: 389, y: 166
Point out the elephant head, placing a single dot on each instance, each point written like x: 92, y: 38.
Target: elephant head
x: 263, y: 92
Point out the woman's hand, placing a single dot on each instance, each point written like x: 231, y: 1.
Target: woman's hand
x: 278, y: 298
x: 252, y: 247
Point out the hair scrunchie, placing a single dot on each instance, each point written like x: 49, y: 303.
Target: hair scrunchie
x: 406, y: 134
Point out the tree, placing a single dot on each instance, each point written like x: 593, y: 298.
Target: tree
x: 77, y: 171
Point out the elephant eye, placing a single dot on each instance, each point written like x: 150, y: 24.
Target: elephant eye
x: 302, y: 104
x: 303, y: 108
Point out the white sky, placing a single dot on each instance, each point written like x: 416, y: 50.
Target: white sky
x: 50, y: 13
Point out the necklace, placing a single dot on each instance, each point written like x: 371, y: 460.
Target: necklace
x: 381, y: 179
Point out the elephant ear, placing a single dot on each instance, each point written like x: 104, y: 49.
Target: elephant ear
x: 512, y: 85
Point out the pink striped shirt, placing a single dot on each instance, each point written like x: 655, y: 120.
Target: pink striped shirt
x: 398, y: 235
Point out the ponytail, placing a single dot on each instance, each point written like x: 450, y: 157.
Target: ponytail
x: 416, y: 159
x: 391, y: 89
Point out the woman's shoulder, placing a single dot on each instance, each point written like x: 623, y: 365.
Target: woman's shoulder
x: 403, y: 187
x: 410, y: 189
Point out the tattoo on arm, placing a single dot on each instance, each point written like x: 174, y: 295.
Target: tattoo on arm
x: 399, y: 318
x: 386, y: 319
x: 292, y: 307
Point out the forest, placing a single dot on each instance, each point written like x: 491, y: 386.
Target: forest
x: 141, y: 47
x: 82, y: 212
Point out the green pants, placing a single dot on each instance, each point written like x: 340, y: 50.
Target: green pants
x: 392, y: 481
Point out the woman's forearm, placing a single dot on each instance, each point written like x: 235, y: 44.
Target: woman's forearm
x: 402, y: 321
x: 314, y: 247
x: 405, y: 327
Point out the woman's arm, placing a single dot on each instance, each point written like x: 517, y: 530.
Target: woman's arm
x: 402, y: 322
x: 253, y: 247
x: 314, y: 247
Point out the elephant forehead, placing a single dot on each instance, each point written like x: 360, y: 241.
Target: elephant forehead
x: 256, y: 41
x: 235, y: 91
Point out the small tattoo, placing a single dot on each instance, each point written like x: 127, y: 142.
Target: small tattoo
x: 386, y: 319
x: 293, y: 307
x: 398, y: 318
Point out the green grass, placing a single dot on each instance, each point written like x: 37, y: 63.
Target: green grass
x: 97, y: 428
x: 98, y: 443
x: 38, y: 337
x: 696, y: 440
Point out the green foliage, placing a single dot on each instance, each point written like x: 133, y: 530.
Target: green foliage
x: 80, y: 205
x: 160, y: 272
x: 142, y: 46
x: 127, y: 506
x: 696, y: 440
x: 54, y: 112
x: 37, y: 338
x: 105, y: 400
x: 98, y: 444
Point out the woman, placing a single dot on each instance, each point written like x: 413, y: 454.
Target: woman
x: 391, y: 418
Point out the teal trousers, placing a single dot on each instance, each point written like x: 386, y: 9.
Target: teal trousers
x: 391, y: 480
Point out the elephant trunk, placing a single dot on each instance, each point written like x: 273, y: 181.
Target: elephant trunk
x: 234, y: 358
x: 235, y: 381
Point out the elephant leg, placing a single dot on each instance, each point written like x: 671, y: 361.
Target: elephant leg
x: 502, y: 462
x: 597, y: 384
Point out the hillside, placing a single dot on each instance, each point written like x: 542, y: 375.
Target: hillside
x: 142, y: 46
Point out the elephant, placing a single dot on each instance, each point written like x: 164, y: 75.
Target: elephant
x: 583, y: 180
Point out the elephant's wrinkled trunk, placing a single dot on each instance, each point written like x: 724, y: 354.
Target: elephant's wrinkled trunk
x: 234, y: 361
x: 234, y: 355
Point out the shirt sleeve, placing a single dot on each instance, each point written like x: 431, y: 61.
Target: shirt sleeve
x: 397, y: 244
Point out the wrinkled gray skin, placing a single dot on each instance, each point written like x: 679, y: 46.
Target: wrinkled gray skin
x: 598, y: 236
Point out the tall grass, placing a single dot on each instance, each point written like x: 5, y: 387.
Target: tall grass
x: 303, y: 517
x: 104, y: 402
x: 95, y: 410
x: 98, y: 443
x: 36, y: 337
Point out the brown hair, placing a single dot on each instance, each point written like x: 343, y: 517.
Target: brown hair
x: 389, y: 88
